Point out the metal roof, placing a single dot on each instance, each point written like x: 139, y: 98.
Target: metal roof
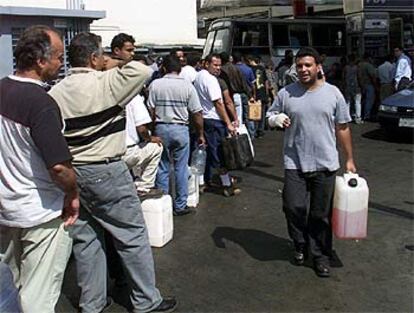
x: 28, y: 11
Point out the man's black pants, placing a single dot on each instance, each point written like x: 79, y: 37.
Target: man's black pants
x: 307, y: 203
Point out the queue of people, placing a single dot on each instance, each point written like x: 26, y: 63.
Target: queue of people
x: 76, y: 162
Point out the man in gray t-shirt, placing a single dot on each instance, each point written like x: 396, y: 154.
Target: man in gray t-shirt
x: 314, y: 114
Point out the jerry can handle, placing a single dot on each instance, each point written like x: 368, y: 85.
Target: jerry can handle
x: 351, y: 179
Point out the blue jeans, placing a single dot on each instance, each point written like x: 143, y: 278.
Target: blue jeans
x: 214, y: 132
x: 369, y: 99
x: 176, y: 139
x: 109, y: 201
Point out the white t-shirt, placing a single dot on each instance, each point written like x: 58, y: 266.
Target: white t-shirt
x: 208, y: 90
x: 188, y: 73
x: 31, y: 142
x: 136, y: 115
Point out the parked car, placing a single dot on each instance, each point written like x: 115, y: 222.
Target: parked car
x: 396, y: 112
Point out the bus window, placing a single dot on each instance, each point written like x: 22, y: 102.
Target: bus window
x: 222, y: 40
x: 209, y: 43
x: 280, y: 35
x: 327, y: 35
x: 329, y: 39
x: 298, y: 35
x: 250, y: 35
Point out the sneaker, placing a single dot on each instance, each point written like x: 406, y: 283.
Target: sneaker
x: 229, y: 191
x: 182, y: 212
x: 322, y: 270
x: 149, y: 193
x: 300, y: 255
x: 167, y: 305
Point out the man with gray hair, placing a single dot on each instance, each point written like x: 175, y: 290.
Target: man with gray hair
x: 92, y: 104
x: 37, y: 181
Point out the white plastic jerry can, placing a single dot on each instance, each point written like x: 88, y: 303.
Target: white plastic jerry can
x: 158, y: 217
x: 193, y: 190
x: 350, y: 207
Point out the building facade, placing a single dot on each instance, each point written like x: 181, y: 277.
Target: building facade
x: 14, y: 20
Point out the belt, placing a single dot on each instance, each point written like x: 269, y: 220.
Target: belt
x: 107, y: 161
x: 183, y: 124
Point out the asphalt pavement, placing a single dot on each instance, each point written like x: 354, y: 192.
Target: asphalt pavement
x: 234, y: 254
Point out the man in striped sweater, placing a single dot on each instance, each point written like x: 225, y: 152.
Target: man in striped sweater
x: 92, y: 104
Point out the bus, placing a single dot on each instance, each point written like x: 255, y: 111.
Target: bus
x: 269, y: 38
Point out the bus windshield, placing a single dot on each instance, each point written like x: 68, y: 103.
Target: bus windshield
x: 269, y: 38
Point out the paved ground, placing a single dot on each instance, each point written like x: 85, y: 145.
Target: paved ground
x: 233, y: 255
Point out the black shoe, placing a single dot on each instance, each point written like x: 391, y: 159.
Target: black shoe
x: 300, y: 256
x: 167, y: 305
x: 322, y: 270
x: 182, y: 212
x: 229, y: 191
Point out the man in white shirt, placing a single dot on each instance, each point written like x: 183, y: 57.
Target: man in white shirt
x: 217, y: 123
x: 39, y: 199
x: 403, y: 73
x: 142, y: 156
x: 188, y: 72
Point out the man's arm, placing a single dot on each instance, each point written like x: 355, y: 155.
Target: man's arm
x: 126, y: 82
x: 64, y: 176
x: 230, y: 109
x: 198, y: 123
x: 221, y: 111
x: 144, y: 134
x: 343, y: 134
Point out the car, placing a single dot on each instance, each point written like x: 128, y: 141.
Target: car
x: 396, y: 112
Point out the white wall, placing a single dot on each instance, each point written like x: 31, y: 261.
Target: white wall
x: 149, y: 21
x: 6, y: 55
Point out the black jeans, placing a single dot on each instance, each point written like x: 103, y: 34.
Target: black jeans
x: 307, y: 203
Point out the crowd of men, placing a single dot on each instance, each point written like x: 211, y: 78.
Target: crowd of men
x: 76, y: 161
x: 364, y: 82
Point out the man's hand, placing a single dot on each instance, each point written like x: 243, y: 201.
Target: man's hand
x: 231, y: 129
x: 286, y: 122
x: 236, y: 124
x: 70, y: 210
x: 280, y: 120
x: 350, y: 166
x: 64, y: 176
x: 157, y: 140
x: 201, y: 141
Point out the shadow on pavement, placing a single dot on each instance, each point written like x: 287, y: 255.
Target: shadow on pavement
x: 258, y: 244
x: 397, y: 137
x: 390, y: 210
x: 262, y: 246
